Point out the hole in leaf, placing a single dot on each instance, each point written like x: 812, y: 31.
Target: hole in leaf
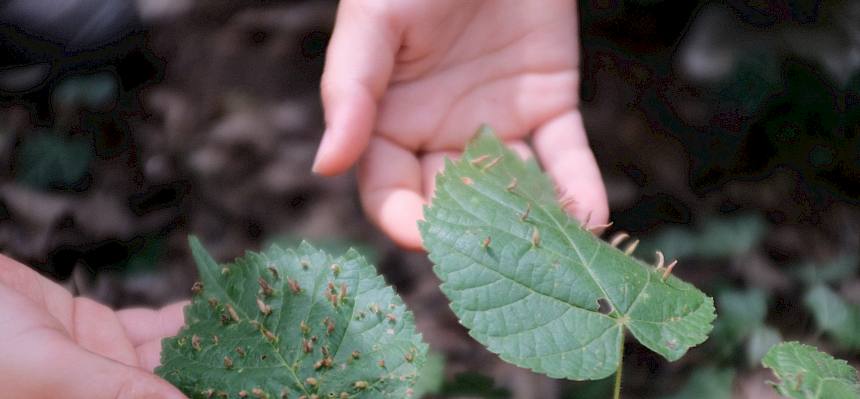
x: 603, y: 306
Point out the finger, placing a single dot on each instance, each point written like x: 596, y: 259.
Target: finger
x: 389, y: 181
x: 563, y: 149
x: 97, y: 329
x: 48, y: 365
x: 149, y: 354
x: 521, y: 148
x: 143, y: 325
x: 432, y: 164
x: 359, y: 61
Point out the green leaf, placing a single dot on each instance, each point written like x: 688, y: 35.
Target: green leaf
x: 707, y: 383
x: 48, y: 159
x: 431, y: 376
x: 323, y: 326
x: 529, y: 286
x: 835, y: 270
x: 741, y: 312
x: 95, y: 92
x: 760, y: 341
x: 328, y: 244
x: 473, y: 385
x: 599, y: 389
x: 806, y: 373
x: 716, y: 239
x: 834, y: 316
x: 145, y: 253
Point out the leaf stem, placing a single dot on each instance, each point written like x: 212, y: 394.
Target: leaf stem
x: 616, y: 392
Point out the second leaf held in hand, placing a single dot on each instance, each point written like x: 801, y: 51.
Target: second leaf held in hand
x: 534, y: 286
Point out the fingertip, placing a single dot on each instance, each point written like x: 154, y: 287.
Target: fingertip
x: 142, y: 385
x: 582, y: 194
x: 173, y: 316
x: 359, y: 62
x: 142, y: 325
x: 350, y: 116
x: 397, y: 212
x: 322, y: 164
x: 432, y: 164
x: 390, y: 185
x: 563, y: 148
x: 593, y: 210
x: 338, y: 151
x: 521, y: 149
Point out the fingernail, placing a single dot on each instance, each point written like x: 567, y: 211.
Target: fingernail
x: 320, y: 150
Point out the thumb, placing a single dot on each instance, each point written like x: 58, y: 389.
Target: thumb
x: 359, y: 61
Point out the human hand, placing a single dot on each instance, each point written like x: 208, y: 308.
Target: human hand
x: 407, y: 82
x: 53, y: 345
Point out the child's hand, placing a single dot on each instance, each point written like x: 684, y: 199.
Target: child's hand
x: 53, y: 345
x: 407, y: 82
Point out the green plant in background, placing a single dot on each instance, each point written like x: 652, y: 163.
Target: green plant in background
x: 832, y: 271
x: 145, y: 253
x: 432, y: 381
x: 291, y: 324
x: 431, y: 376
x: 716, y: 239
x: 707, y: 383
x: 538, y: 289
x: 473, y: 385
x: 588, y: 389
x: 759, y: 342
x: 54, y: 158
x: 833, y: 315
x: 48, y: 159
x: 95, y: 91
x: 806, y: 373
x: 742, y: 323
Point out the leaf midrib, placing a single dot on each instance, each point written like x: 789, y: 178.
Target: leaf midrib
x: 530, y: 289
x: 581, y: 261
x: 351, y: 312
x: 242, y: 313
x: 556, y: 225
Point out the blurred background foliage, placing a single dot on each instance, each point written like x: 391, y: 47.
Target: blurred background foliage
x: 728, y: 134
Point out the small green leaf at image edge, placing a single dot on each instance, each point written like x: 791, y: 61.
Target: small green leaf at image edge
x: 804, y: 372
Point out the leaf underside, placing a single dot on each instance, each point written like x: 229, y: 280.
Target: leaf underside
x: 806, y: 373
x: 526, y: 279
x: 323, y: 326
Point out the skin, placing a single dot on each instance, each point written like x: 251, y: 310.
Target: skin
x: 406, y: 84
x: 55, y: 345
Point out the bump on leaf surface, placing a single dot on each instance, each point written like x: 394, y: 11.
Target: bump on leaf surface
x: 318, y: 338
x: 536, y: 303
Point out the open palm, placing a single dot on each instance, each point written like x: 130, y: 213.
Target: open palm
x: 408, y: 82
x: 55, y: 345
